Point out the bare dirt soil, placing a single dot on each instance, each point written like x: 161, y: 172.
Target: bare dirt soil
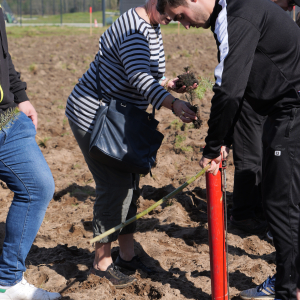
x: 173, y: 240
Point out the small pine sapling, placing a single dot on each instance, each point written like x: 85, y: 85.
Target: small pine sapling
x: 188, y: 79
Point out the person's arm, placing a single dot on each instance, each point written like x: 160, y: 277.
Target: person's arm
x: 18, y: 87
x: 135, y: 55
x: 239, y: 39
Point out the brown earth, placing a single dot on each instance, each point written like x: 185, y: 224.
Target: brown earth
x: 173, y: 239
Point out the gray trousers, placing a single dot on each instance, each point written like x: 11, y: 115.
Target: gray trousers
x: 115, y: 194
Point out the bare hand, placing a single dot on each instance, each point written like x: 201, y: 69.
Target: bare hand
x: 181, y: 109
x: 225, y: 152
x: 214, y: 165
x: 183, y: 89
x: 298, y: 294
x: 27, y: 108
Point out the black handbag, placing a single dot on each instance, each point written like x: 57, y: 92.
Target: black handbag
x: 124, y: 137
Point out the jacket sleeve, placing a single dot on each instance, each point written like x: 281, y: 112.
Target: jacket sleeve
x: 17, y: 87
x: 238, y: 40
x: 135, y: 56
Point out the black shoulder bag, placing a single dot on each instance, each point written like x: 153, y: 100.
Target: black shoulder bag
x: 124, y: 137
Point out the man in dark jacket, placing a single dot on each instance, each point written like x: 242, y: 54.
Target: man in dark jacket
x: 26, y: 173
x: 259, y: 60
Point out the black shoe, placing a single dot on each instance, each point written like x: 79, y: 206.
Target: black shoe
x: 112, y: 273
x: 132, y: 265
x: 254, y: 226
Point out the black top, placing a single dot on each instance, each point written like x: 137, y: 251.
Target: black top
x: 259, y: 59
x: 13, y: 88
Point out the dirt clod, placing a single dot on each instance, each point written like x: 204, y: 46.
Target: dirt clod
x: 174, y: 239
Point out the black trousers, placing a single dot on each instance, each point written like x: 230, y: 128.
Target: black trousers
x: 281, y: 194
x: 247, y: 156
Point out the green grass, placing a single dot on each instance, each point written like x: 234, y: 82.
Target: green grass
x: 173, y: 29
x: 33, y: 68
x: 43, y: 141
x: 179, y: 140
x: 176, y: 124
x: 79, y: 17
x: 205, y: 84
x: 46, y: 31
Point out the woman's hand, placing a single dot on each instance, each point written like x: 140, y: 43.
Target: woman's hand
x: 182, y: 110
x: 172, y: 85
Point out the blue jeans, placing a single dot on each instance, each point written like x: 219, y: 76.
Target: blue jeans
x: 24, y: 169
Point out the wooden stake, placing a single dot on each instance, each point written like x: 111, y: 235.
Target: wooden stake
x: 146, y: 211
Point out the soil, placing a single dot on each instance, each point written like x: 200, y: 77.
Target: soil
x: 197, y: 123
x: 173, y: 239
x: 186, y: 79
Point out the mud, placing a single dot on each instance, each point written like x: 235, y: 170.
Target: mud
x: 173, y: 239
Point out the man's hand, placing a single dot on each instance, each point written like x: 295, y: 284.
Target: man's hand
x: 225, y: 152
x: 27, y: 108
x: 215, y: 164
x: 298, y: 294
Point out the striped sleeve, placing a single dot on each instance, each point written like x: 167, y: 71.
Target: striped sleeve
x: 135, y: 55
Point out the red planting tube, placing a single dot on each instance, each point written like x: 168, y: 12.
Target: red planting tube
x: 216, y: 231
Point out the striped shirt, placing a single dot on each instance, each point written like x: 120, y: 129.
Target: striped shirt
x: 131, y: 62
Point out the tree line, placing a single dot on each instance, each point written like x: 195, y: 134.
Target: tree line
x: 52, y: 7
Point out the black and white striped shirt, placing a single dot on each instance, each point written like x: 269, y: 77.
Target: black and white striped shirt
x: 132, y: 60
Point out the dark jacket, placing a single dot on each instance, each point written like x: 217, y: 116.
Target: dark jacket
x: 12, y: 87
x: 259, y: 59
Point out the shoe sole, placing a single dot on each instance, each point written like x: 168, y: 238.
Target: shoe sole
x: 117, y: 286
x: 121, y: 286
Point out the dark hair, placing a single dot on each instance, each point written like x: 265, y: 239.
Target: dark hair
x: 161, y: 4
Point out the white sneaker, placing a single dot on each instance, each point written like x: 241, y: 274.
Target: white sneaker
x: 25, y: 291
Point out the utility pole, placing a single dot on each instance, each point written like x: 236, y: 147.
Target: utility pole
x: 61, y: 12
x: 21, y: 12
x: 103, y: 13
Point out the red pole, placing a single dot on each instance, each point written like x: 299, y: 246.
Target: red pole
x: 216, y: 231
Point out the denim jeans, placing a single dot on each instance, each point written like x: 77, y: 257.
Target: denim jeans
x: 25, y: 171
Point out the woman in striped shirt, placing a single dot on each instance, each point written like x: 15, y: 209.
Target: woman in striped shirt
x: 132, y: 66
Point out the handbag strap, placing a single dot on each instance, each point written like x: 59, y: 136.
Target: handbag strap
x: 99, y: 88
